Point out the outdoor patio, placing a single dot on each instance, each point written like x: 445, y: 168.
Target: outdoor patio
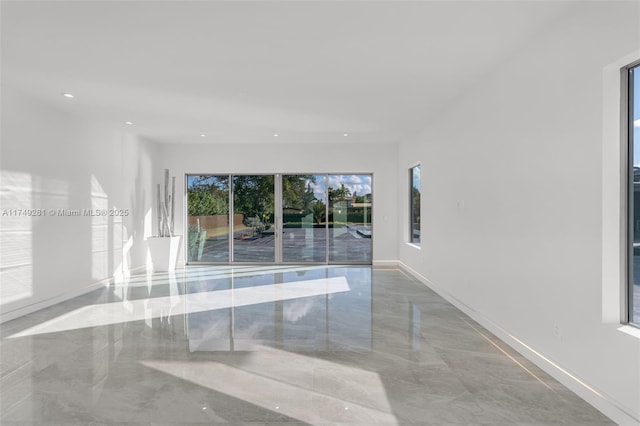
x: 348, y: 244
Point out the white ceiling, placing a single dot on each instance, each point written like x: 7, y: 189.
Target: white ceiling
x: 243, y: 71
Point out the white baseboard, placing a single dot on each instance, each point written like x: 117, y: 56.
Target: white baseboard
x: 385, y: 264
x: 36, y: 306
x: 598, y: 399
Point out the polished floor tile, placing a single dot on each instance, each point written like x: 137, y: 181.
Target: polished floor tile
x: 268, y: 345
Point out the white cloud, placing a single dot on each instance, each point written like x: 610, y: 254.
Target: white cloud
x: 318, y: 189
x: 357, y: 184
x: 417, y: 171
x: 636, y: 123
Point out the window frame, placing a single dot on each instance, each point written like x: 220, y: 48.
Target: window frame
x: 628, y: 98
x: 412, y: 240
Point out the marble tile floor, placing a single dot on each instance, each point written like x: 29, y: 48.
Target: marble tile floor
x: 272, y: 345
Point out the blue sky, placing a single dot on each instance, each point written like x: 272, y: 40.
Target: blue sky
x: 416, y: 176
x: 357, y: 184
x: 319, y: 188
x: 192, y: 178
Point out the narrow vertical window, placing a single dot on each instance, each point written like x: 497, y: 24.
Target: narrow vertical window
x: 634, y: 194
x: 414, y: 207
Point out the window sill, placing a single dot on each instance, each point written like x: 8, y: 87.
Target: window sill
x: 414, y: 245
x: 630, y: 330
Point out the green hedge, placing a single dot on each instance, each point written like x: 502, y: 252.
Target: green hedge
x: 295, y: 220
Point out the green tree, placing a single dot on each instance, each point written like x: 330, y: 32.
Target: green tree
x: 208, y: 195
x: 253, y: 196
x: 296, y: 192
x: 415, y: 208
x: 339, y: 194
x: 319, y: 211
x: 203, y: 203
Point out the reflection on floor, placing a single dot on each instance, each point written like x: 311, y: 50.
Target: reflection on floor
x: 270, y: 345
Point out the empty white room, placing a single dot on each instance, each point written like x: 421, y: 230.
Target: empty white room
x: 320, y: 212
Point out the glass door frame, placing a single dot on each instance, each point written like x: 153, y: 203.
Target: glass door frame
x: 232, y: 212
x: 277, y: 221
x: 326, y: 228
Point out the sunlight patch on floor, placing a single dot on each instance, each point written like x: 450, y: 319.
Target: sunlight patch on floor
x: 145, y: 309
x: 307, y: 389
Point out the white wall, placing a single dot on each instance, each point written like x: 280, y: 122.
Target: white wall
x: 52, y: 160
x: 379, y: 159
x: 512, y: 205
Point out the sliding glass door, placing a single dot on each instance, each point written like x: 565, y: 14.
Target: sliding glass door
x: 295, y: 218
x: 208, y: 218
x: 304, y: 214
x: 253, y: 218
x: 350, y: 230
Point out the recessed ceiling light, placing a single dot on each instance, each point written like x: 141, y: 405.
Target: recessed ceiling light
x: 346, y: 134
x: 202, y: 135
x: 128, y: 123
x: 275, y: 135
x: 68, y: 95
